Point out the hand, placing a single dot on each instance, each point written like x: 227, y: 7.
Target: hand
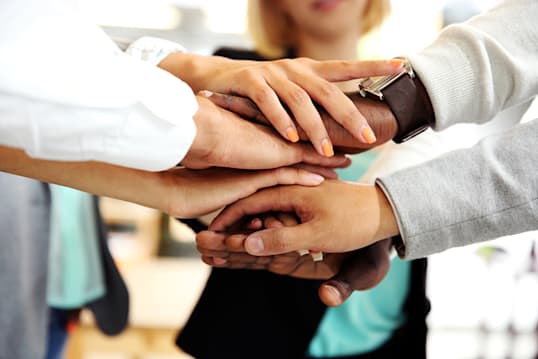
x: 335, y: 217
x: 358, y: 270
x: 378, y: 115
x: 192, y: 193
x: 223, y: 139
x: 179, y: 192
x: 223, y: 250
x: 294, y: 82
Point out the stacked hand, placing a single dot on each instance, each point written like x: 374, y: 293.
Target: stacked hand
x: 296, y: 84
x: 296, y: 97
x: 357, y: 270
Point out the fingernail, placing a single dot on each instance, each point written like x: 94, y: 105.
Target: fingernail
x: 205, y: 93
x: 254, y: 245
x: 327, y: 148
x: 292, y: 134
x: 336, y: 298
x: 367, y: 134
x: 219, y: 261
x: 398, y: 63
x: 314, y: 179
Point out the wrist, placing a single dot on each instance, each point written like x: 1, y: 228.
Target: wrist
x: 388, y: 224
x: 195, y: 70
x: 199, y: 154
x: 379, y: 116
x: 406, y: 96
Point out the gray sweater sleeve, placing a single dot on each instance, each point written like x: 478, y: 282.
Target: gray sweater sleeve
x: 468, y: 196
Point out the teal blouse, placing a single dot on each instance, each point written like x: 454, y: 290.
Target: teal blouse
x: 368, y: 318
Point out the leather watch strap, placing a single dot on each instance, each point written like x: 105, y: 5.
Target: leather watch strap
x: 410, y: 104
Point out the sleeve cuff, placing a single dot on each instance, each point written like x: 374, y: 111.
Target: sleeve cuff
x: 398, y: 242
x: 153, y: 50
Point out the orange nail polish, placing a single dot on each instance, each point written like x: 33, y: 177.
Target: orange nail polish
x: 368, y: 135
x: 327, y: 148
x: 292, y: 134
x: 396, y: 62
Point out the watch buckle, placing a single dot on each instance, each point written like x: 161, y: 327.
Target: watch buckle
x: 375, y: 85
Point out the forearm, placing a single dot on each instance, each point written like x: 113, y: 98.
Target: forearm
x: 378, y: 115
x: 468, y: 196
x: 145, y: 188
x: 491, y: 64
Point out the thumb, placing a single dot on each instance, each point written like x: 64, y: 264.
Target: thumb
x: 364, y: 269
x: 281, y: 240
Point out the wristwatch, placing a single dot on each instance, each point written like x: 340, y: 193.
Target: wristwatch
x: 407, y: 98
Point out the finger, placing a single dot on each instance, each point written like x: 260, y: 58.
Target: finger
x: 284, y: 219
x: 235, y: 243
x: 270, y: 221
x: 214, y: 262
x: 350, y: 150
x: 363, y: 269
x: 310, y: 156
x: 327, y: 173
x: 212, y: 253
x: 348, y: 70
x: 267, y: 100
x: 341, y: 108
x: 209, y: 240
x: 286, y: 176
x: 281, y: 240
x: 278, y: 199
x: 240, y: 105
x: 246, y: 259
x: 255, y: 224
x: 288, y: 219
x: 304, y: 112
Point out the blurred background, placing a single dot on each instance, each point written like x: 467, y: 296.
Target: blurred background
x: 484, y: 298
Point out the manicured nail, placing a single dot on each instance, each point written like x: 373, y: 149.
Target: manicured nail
x: 367, y: 134
x: 292, y: 134
x: 254, y: 245
x: 398, y: 63
x: 205, y: 93
x: 327, y: 148
x: 303, y: 252
x: 313, y: 179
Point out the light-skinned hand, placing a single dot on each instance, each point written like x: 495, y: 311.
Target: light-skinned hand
x: 293, y: 83
x: 334, y: 217
x: 346, y: 272
x: 224, y: 139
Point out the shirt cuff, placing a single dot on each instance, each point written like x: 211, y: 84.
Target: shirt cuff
x: 153, y: 50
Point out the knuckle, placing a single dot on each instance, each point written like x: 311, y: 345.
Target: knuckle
x: 348, y: 116
x: 286, y: 63
x: 261, y: 95
x: 279, y: 242
x: 249, y: 75
x: 298, y: 97
x: 328, y: 90
x: 305, y: 61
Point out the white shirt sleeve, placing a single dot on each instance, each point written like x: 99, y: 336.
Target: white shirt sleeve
x: 68, y: 93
